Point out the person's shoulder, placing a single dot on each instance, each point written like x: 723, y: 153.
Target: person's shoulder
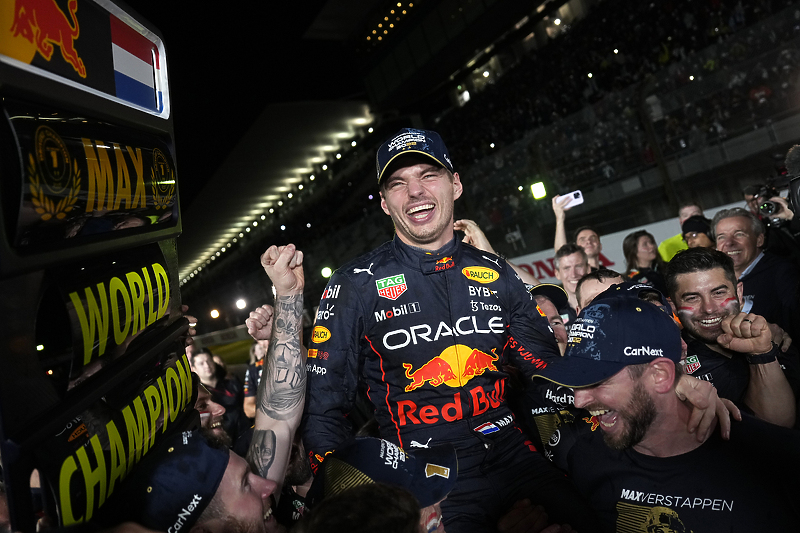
x: 471, y: 256
x: 773, y: 265
x: 756, y: 436
x: 364, y: 263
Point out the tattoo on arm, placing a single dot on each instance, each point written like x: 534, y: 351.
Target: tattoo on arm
x: 283, y: 383
x: 262, y: 451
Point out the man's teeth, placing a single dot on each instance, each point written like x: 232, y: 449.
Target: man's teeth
x: 711, y: 322
x: 420, y: 208
x: 734, y: 252
x: 216, y: 425
x: 598, y: 412
x: 268, y: 514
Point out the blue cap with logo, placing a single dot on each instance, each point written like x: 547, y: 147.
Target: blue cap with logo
x: 428, y: 473
x: 616, y: 330
x: 171, y: 486
x: 413, y: 141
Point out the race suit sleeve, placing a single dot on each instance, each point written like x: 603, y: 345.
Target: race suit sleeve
x: 531, y: 343
x: 333, y: 365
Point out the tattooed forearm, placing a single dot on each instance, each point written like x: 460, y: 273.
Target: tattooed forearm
x: 283, y: 383
x: 262, y: 451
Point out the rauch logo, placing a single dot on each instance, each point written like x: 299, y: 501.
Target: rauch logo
x: 480, y: 274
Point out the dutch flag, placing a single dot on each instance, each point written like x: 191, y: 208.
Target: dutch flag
x: 136, y: 67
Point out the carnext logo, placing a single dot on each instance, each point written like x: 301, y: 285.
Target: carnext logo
x: 644, y: 350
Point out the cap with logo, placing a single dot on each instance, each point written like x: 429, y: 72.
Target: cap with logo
x: 171, y: 486
x: 616, y: 330
x: 413, y: 141
x: 428, y: 473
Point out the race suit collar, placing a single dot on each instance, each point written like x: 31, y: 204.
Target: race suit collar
x: 428, y: 261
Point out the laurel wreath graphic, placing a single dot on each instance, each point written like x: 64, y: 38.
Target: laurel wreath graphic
x: 42, y: 203
x: 162, y: 201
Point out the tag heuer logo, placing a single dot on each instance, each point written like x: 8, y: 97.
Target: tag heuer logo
x: 691, y: 364
x: 392, y: 287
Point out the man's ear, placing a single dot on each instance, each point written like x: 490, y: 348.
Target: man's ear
x: 383, y: 204
x: 662, y: 375
x: 457, y: 187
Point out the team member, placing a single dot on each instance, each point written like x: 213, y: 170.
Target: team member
x: 647, y: 472
x: 571, y: 264
x: 703, y: 287
x: 424, y: 323
x: 594, y: 283
x: 252, y: 376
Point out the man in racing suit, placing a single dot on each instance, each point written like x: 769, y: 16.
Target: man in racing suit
x: 425, y: 323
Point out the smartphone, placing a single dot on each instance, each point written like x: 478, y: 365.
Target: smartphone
x: 571, y: 199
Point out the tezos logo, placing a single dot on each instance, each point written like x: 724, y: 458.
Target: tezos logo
x: 320, y: 334
x: 480, y: 274
x: 392, y: 287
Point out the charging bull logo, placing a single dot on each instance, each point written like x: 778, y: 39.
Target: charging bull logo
x: 443, y: 264
x: 452, y: 367
x: 44, y: 24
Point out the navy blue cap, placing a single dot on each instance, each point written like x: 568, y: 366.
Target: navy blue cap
x: 613, y: 332
x: 554, y: 293
x: 171, y: 486
x: 633, y: 289
x: 412, y: 141
x: 428, y: 473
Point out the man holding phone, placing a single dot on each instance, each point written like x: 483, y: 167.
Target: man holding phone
x: 585, y: 237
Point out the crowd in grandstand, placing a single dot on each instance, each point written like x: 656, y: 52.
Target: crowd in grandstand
x: 701, y: 72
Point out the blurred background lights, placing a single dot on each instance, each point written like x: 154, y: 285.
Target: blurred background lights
x: 538, y: 191
x: 214, y: 313
x: 326, y: 272
x: 241, y: 304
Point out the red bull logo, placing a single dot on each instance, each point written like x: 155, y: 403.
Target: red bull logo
x: 453, y: 367
x: 593, y: 421
x: 43, y: 24
x: 443, y: 264
x: 477, y: 402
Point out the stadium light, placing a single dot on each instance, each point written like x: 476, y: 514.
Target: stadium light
x: 326, y: 272
x: 538, y: 191
x: 214, y: 313
x: 241, y: 304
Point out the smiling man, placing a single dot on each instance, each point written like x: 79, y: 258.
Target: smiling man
x: 731, y: 349
x: 184, y: 484
x: 424, y: 325
x: 571, y: 264
x: 643, y: 470
x: 770, y: 283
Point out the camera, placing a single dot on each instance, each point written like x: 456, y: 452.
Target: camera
x: 767, y: 207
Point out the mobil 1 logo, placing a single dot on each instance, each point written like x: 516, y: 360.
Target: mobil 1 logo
x: 402, y: 309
